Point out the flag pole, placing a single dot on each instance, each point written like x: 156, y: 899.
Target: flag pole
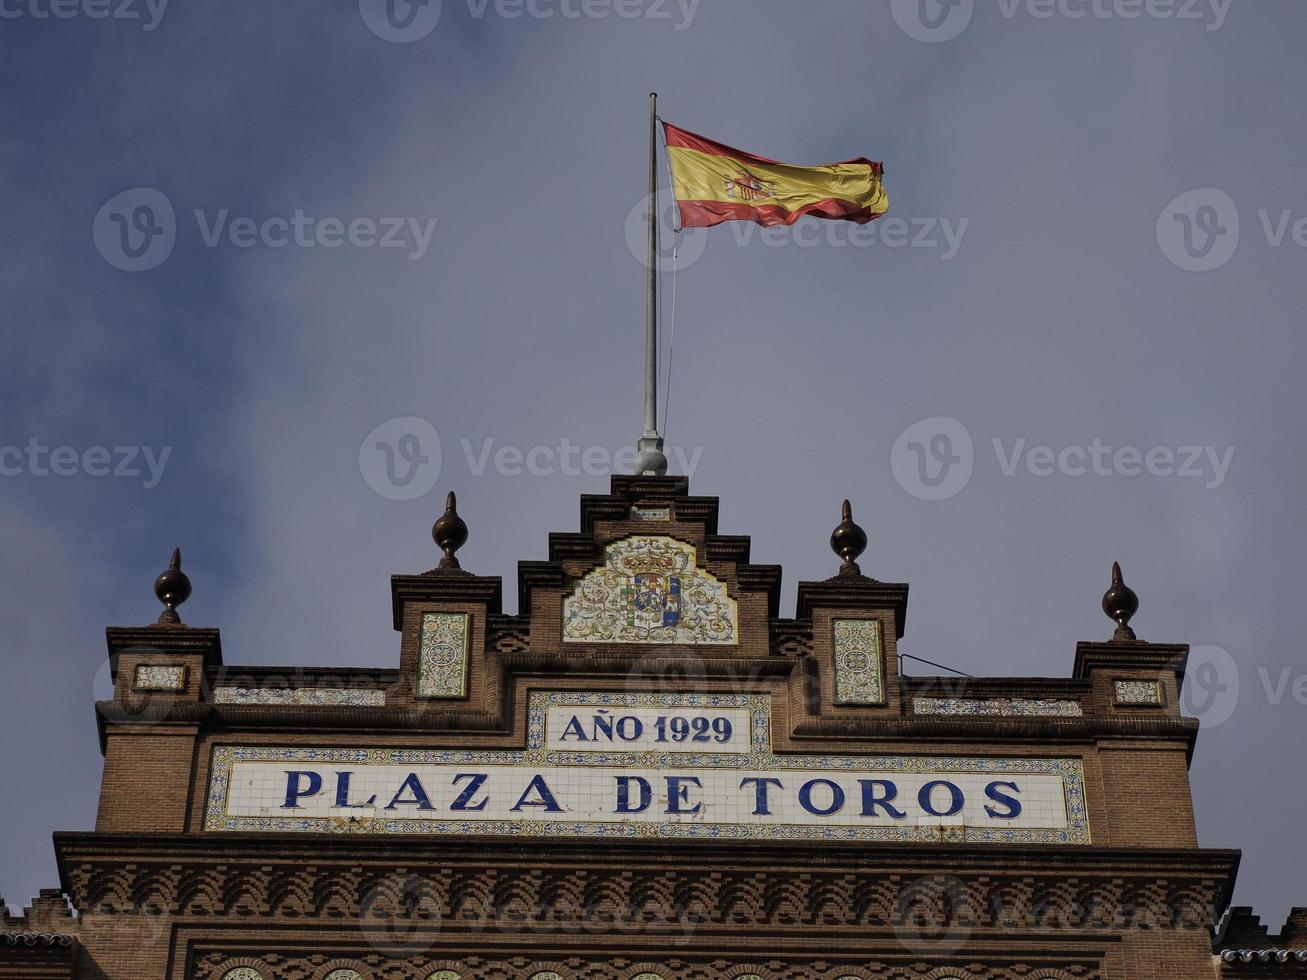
x: 650, y: 459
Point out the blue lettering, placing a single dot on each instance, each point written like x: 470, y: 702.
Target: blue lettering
x: 420, y: 798
x: 603, y: 723
x: 928, y: 804
x: 1012, y: 803
x: 293, y: 790
x: 546, y: 797
x: 633, y: 731
x: 678, y: 794
x: 872, y: 799
x: 760, y: 787
x: 573, y: 730
x: 342, y: 793
x: 624, y: 794
x: 464, y: 801
x: 836, y: 793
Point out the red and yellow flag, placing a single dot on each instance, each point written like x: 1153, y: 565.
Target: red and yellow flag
x: 715, y: 183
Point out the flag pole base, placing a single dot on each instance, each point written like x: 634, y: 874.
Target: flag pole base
x: 649, y: 460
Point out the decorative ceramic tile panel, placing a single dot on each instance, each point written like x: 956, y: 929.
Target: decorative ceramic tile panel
x: 442, y: 659
x: 858, y: 662
x: 651, y: 514
x: 352, y: 697
x: 1138, y: 692
x: 242, y: 973
x: 682, y: 783
x: 1026, y: 707
x: 155, y: 677
x: 649, y: 590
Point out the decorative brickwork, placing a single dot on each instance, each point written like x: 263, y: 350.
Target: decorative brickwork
x: 920, y: 828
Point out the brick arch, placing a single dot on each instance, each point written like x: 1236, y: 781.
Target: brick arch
x: 230, y: 967
x: 345, y: 968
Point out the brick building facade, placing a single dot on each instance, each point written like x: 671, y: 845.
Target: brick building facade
x: 646, y: 774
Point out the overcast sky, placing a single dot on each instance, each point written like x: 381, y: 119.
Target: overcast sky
x: 1066, y: 320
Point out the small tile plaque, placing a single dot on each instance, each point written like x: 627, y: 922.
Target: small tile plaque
x: 159, y: 677
x: 362, y: 697
x: 651, y: 513
x: 1138, y: 692
x: 858, y: 662
x: 1020, y: 707
x: 442, y: 660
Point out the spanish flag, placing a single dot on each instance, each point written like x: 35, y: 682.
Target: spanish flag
x: 715, y: 183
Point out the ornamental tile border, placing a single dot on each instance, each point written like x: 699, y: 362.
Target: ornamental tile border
x: 324, y: 696
x: 1138, y: 692
x: 1071, y: 772
x: 442, y: 656
x: 1024, y: 707
x: 858, y: 662
x: 159, y: 677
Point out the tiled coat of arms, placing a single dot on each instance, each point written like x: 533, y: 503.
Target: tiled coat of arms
x: 649, y: 590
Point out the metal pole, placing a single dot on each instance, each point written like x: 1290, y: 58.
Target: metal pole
x: 650, y: 458
x: 651, y: 298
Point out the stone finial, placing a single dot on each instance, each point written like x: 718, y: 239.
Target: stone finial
x: 450, y: 533
x: 848, y: 541
x: 173, y: 588
x: 1120, y: 603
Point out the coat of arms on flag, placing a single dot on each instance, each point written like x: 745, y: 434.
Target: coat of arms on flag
x: 714, y: 182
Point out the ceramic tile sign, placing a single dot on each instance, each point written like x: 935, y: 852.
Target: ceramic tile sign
x: 729, y: 785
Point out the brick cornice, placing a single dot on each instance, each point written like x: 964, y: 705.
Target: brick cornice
x: 836, y: 885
